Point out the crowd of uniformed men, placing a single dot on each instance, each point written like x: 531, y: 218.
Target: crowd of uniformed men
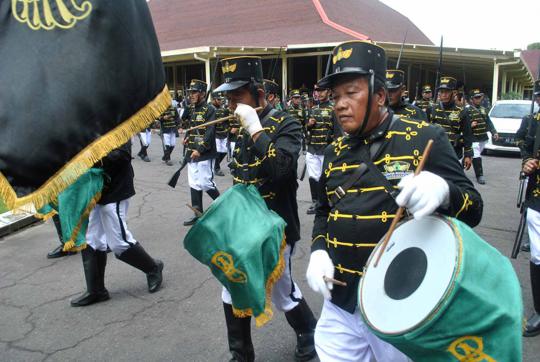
x: 358, y: 114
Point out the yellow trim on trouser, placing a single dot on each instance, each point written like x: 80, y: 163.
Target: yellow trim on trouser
x: 86, y: 158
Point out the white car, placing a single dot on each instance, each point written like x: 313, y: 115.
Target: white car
x: 506, y: 117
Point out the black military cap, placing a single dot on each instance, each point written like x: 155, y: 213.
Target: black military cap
x: 239, y: 71
x: 271, y: 87
x: 197, y: 85
x: 356, y: 57
x: 394, y: 78
x: 426, y: 89
x: 536, y: 90
x: 448, y: 83
x: 217, y: 95
x: 295, y: 93
x: 476, y: 93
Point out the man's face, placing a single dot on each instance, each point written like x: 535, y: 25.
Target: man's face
x: 394, y: 96
x: 195, y: 97
x: 537, y: 99
x: 218, y: 102
x: 427, y: 95
x: 446, y: 95
x: 351, y: 97
x: 296, y: 100
x: 240, y: 95
x: 477, y: 100
x: 271, y: 98
x: 322, y: 94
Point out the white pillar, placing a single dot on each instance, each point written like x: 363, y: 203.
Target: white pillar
x: 495, y: 89
x: 503, y: 82
x: 511, y: 85
x: 284, y: 76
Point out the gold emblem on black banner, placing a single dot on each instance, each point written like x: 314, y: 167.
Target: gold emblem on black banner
x: 50, y: 14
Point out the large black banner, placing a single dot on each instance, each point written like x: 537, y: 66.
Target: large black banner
x: 77, y: 79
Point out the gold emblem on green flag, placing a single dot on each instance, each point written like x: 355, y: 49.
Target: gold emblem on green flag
x: 470, y: 349
x: 224, y: 261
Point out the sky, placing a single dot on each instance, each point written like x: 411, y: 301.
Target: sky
x: 478, y: 24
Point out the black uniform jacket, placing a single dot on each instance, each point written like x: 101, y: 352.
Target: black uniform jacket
x: 325, y: 129
x: 410, y: 111
x: 453, y: 120
x: 423, y: 104
x: 350, y: 229
x: 222, y: 129
x: 526, y: 138
x: 119, y: 174
x: 201, y: 139
x: 483, y: 122
x: 270, y: 164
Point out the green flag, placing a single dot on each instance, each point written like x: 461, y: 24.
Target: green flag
x: 78, y: 78
x: 242, y: 242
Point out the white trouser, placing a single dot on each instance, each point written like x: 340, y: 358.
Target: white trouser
x: 343, y: 337
x: 533, y: 227
x: 314, y: 165
x: 169, y: 138
x: 233, y: 144
x: 221, y: 145
x: 477, y: 148
x: 201, y: 175
x: 107, y: 226
x: 285, y: 294
x: 146, y: 137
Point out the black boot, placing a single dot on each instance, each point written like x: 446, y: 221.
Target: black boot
x: 94, y: 273
x: 138, y: 258
x: 144, y: 154
x: 532, y: 328
x: 239, y: 336
x: 526, y: 244
x: 313, y: 187
x: 478, y: 170
x: 169, y: 151
x: 303, y: 322
x: 196, y: 202
x: 217, y: 167
x: 58, y: 252
x: 213, y: 193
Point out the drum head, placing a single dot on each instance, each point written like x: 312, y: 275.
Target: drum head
x: 412, y: 277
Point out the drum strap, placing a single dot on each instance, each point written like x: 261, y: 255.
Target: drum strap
x: 341, y: 191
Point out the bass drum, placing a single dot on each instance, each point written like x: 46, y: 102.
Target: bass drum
x: 441, y: 293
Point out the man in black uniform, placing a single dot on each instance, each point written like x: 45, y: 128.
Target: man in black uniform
x: 201, y: 145
x: 266, y: 155
x: 528, y: 141
x: 272, y: 93
x: 481, y: 124
x: 169, y: 132
x: 295, y: 109
x: 453, y: 120
x: 396, y: 87
x: 322, y: 130
x: 222, y: 132
x: 425, y: 102
x: 355, y: 209
x: 107, y: 228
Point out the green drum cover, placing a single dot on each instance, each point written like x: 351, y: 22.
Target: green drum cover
x: 481, y: 318
x: 242, y: 242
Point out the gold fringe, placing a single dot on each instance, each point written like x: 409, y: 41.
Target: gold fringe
x: 266, y: 316
x: 70, y: 244
x: 88, y: 156
x: 46, y: 216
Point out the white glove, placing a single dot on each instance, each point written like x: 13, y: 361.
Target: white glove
x: 248, y: 118
x: 320, y: 265
x: 423, y: 194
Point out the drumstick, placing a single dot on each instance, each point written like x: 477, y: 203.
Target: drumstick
x: 400, y: 211
x: 195, y: 210
x: 219, y: 120
x: 334, y: 281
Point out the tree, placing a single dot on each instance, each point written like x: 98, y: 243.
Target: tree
x: 511, y: 95
x: 533, y: 46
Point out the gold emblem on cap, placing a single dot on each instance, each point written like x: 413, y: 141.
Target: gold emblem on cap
x: 389, y: 75
x: 341, y: 54
x: 228, y: 68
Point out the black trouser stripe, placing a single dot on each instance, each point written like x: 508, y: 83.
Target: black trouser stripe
x: 124, y: 237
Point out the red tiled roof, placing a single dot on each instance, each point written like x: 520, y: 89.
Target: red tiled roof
x: 182, y: 24
x: 531, y: 58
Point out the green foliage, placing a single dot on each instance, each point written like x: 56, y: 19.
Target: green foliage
x: 533, y: 46
x: 3, y: 207
x: 511, y: 95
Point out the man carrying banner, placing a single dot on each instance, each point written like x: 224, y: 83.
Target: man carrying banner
x: 201, y: 145
x: 266, y: 154
x: 107, y: 228
x: 528, y: 140
x: 356, y: 201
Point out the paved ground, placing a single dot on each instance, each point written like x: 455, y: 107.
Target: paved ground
x: 184, y: 321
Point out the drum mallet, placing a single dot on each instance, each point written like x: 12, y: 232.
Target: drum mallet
x: 401, y: 210
x: 219, y: 120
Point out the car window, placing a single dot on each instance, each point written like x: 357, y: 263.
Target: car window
x: 509, y: 110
